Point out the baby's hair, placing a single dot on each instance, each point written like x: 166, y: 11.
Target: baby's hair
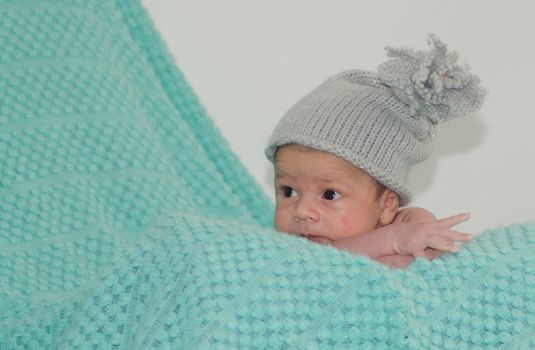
x: 380, y: 189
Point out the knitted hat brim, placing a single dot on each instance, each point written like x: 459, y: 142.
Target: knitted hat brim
x: 354, y: 159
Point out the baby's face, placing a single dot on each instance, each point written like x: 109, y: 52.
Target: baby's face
x: 323, y: 197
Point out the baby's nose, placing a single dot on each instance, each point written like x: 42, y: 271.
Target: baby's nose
x: 306, y: 210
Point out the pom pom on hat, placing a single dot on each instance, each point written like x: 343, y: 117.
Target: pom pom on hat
x: 432, y: 83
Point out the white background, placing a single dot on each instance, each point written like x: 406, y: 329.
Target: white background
x: 249, y: 61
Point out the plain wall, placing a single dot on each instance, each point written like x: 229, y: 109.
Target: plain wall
x: 249, y: 61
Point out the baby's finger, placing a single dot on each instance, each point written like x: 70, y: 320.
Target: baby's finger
x: 457, y: 236
x: 444, y: 245
x: 431, y: 253
x: 419, y: 253
x: 454, y: 220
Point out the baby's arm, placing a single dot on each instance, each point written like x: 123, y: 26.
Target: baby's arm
x: 415, y: 215
x: 414, y: 232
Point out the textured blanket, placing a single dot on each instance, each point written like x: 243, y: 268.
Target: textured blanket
x: 127, y: 223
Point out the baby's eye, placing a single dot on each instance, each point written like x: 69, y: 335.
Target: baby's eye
x: 288, y: 192
x: 331, y: 195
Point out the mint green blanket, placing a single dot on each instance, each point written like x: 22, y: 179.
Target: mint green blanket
x: 127, y: 223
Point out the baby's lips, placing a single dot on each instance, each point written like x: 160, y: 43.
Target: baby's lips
x: 317, y: 239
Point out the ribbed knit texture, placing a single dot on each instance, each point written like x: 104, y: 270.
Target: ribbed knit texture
x: 356, y: 119
x: 127, y: 223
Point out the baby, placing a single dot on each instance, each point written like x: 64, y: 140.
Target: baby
x: 342, y: 156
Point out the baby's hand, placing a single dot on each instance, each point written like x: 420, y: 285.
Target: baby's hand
x: 414, y: 238
x: 396, y: 261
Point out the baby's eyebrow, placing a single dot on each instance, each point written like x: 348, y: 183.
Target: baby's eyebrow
x: 336, y: 181
x: 330, y: 179
x: 280, y: 174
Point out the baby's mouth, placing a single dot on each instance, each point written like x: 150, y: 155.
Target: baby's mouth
x: 316, y: 239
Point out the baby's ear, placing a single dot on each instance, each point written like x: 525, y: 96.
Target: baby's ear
x: 390, y: 204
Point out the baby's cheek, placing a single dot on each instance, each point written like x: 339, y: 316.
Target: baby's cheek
x: 282, y: 223
x: 344, y: 221
x: 347, y: 224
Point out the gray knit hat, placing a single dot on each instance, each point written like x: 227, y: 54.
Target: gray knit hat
x: 383, y: 122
